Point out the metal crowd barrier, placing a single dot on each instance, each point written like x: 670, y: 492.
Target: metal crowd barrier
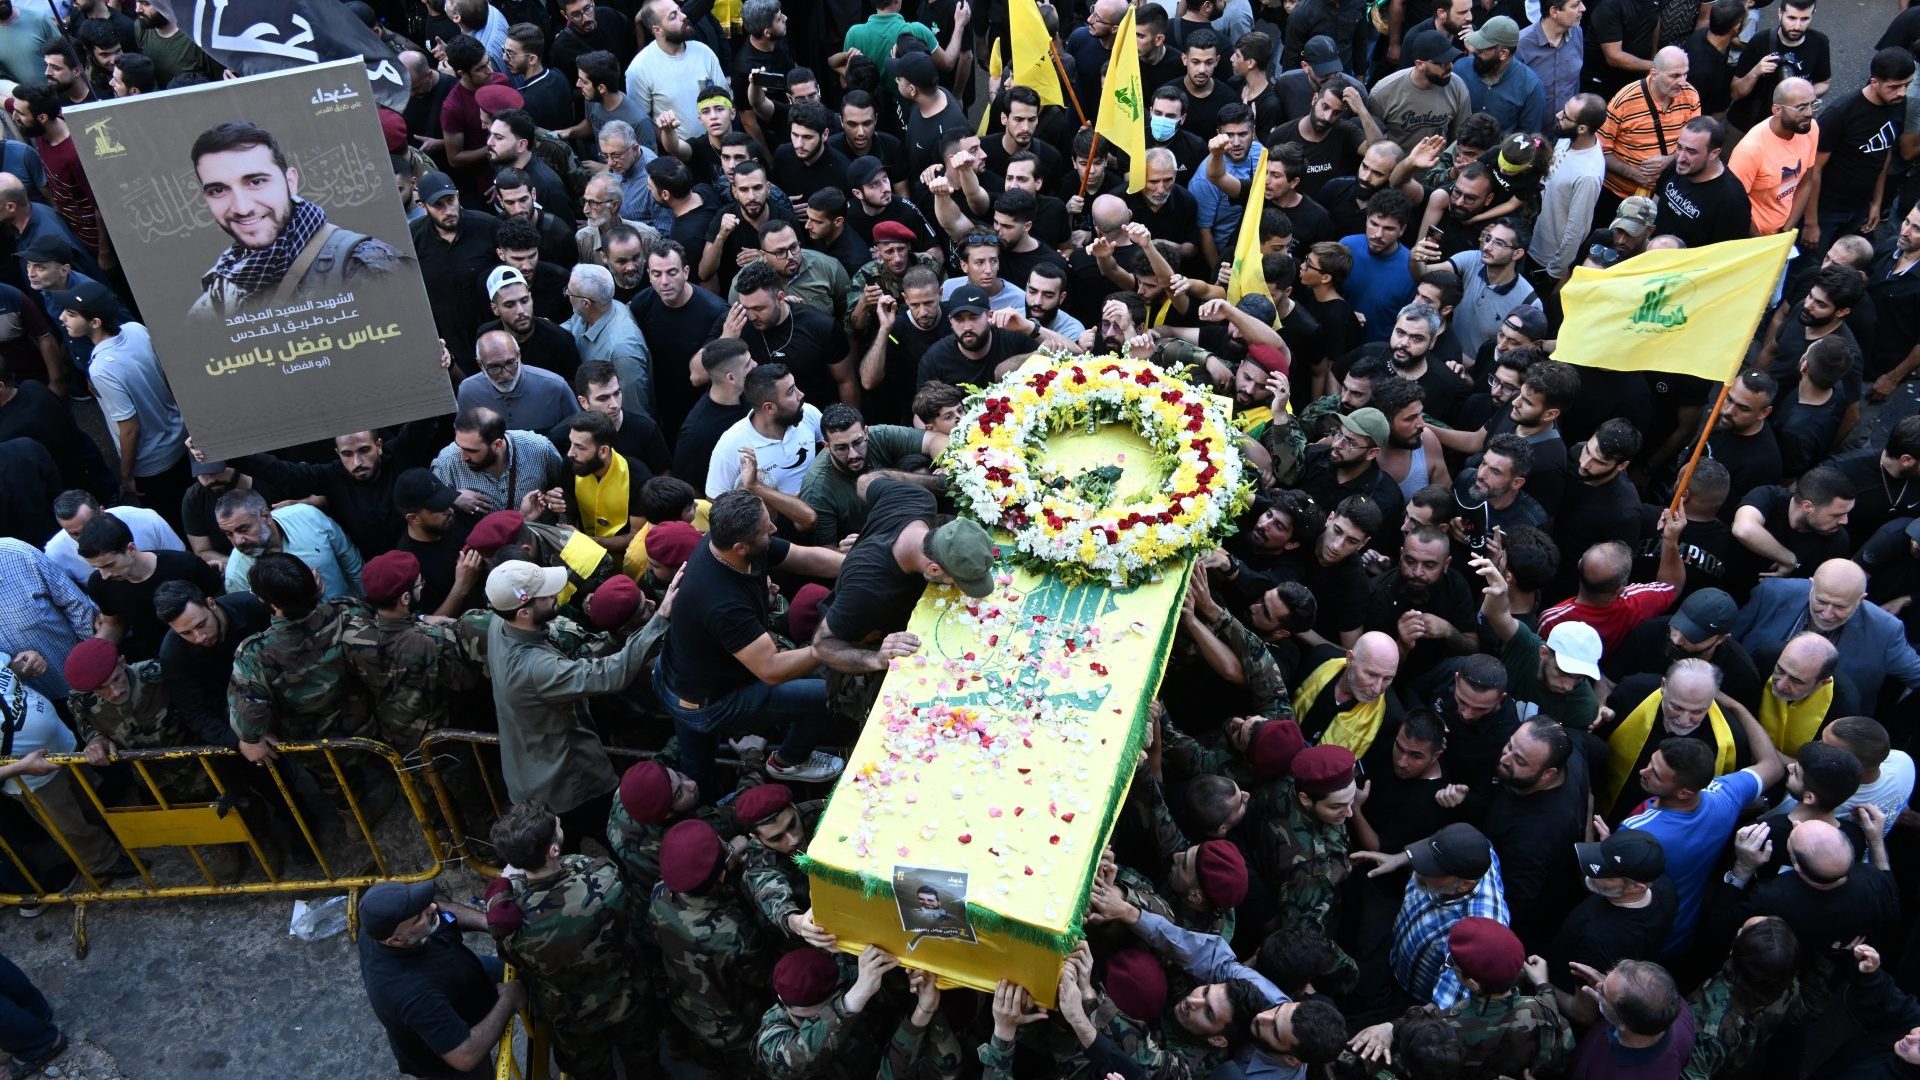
x: 532, y: 1037
x: 177, y: 821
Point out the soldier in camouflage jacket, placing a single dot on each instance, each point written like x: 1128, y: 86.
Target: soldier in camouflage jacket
x: 815, y: 1029
x: 716, y: 953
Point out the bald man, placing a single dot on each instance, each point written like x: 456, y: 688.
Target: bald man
x: 1608, y: 600
x: 1829, y: 898
x: 1345, y: 701
x: 1805, y: 692
x: 1088, y: 290
x: 1643, y: 712
x: 529, y: 398
x: 1872, y: 643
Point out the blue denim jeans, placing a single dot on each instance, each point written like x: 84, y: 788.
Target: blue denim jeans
x: 792, y: 712
x: 26, y: 1020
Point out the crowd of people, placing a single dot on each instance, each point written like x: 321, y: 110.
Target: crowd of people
x: 1512, y: 733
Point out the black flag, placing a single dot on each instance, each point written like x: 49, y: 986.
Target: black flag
x: 251, y: 37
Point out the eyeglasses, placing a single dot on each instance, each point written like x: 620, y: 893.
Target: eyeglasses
x: 501, y: 368
x: 1488, y: 239
x: 600, y: 202
x: 576, y: 296
x: 1343, y: 437
x: 1803, y: 107
x: 787, y: 252
x: 981, y: 238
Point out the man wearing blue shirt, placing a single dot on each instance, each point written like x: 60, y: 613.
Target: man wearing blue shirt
x: 1219, y: 187
x: 1510, y: 91
x: 1873, y: 644
x: 1694, y: 814
x: 1380, y: 283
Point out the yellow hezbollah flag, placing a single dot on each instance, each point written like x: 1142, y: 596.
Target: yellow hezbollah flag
x: 1032, y: 56
x: 1122, y: 119
x: 1247, y: 276
x: 993, y: 69
x: 1689, y: 311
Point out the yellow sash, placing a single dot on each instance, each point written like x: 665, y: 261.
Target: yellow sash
x: 1354, y: 728
x: 636, y: 562
x: 603, y: 499
x: 1792, y: 725
x: 582, y: 555
x: 1623, y: 746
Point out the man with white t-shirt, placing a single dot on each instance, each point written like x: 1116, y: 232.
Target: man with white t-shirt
x: 1886, y: 774
x: 667, y: 75
x: 28, y: 723
x: 73, y: 509
x: 769, y: 450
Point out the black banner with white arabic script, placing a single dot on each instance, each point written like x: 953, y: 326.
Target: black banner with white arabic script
x: 253, y: 37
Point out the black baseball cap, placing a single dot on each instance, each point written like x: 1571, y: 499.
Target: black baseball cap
x: 1459, y: 850
x: 1705, y: 614
x: 419, y: 489
x: 1434, y: 47
x: 386, y: 905
x: 863, y: 169
x: 47, y: 248
x: 968, y: 297
x: 435, y: 186
x: 1322, y: 55
x: 91, y: 299
x: 1628, y: 853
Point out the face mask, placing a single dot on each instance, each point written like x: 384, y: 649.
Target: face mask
x: 1162, y: 127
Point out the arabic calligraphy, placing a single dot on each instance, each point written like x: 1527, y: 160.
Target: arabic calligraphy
x: 327, y: 96
x: 258, y: 38
x: 321, y: 348
x: 328, y: 304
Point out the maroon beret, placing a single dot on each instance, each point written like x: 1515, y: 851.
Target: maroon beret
x: 1486, y: 951
x: 394, y: 127
x: 671, y: 542
x: 1269, y: 358
x: 498, y: 98
x: 1323, y: 770
x: 1137, y: 984
x: 758, y: 804
x: 387, y: 577
x: 495, y: 531
x: 647, y: 792
x: 613, y: 603
x: 689, y: 854
x: 1222, y: 873
x: 892, y: 232
x: 806, y: 976
x: 803, y: 615
x: 503, y: 911
x: 1273, y: 747
x: 91, y: 663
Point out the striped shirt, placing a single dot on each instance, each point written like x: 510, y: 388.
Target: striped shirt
x: 1632, y: 135
x: 41, y: 610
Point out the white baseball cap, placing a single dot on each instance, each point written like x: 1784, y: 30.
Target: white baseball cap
x: 515, y: 582
x: 1575, y: 645
x: 502, y: 277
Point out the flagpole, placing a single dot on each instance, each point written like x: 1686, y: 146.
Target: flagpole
x: 1686, y: 474
x: 1086, y: 175
x: 1066, y: 84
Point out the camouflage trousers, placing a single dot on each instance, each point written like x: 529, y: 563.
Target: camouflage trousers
x: 850, y: 698
x: 588, y: 1055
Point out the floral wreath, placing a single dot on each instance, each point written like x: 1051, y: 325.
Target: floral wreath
x: 1075, y: 527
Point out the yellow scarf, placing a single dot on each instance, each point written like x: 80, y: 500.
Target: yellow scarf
x: 1792, y: 725
x: 636, y: 562
x: 1623, y: 746
x: 582, y: 555
x: 1354, y: 728
x: 1248, y: 420
x: 603, y: 499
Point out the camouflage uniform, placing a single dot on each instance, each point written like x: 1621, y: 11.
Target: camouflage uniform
x: 410, y: 667
x: 840, y: 1045
x: 1507, y: 1035
x: 293, y: 679
x: 1136, y: 1041
x: 876, y: 273
x: 1185, y: 757
x: 773, y: 883
x: 1198, y: 1057
x: 1319, y: 418
x: 1286, y: 444
x: 636, y: 847
x: 140, y: 721
x: 1726, y: 1033
x: 1266, y: 686
x: 576, y: 949
x: 719, y: 964
x: 1305, y: 861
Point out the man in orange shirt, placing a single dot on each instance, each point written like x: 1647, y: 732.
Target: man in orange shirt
x: 1643, y: 128
x: 1773, y: 158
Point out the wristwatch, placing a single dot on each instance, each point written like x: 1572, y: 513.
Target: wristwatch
x: 1734, y: 879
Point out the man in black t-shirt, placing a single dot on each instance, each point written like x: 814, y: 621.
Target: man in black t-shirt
x: 1856, y: 135
x: 197, y: 653
x: 1788, y: 533
x: 977, y: 351
x: 435, y: 536
x: 1792, y: 51
x: 721, y: 672
x: 125, y: 578
x: 779, y: 331
x: 443, y: 1006
x: 1630, y: 913
x: 1701, y: 201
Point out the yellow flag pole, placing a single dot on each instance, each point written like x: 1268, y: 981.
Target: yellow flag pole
x: 1700, y: 447
x: 1067, y: 85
